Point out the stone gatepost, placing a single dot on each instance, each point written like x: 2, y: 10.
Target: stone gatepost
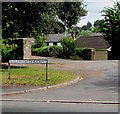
x: 24, y: 48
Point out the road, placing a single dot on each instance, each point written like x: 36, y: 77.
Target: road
x: 57, y: 107
x: 100, y: 83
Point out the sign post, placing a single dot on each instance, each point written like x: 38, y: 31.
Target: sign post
x: 29, y: 61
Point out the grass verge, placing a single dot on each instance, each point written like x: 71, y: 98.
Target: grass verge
x: 34, y: 76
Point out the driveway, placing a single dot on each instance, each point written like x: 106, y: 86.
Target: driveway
x: 100, y: 81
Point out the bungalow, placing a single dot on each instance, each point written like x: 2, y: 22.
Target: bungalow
x: 96, y: 41
x: 53, y: 39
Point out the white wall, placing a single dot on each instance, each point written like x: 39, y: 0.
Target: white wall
x: 59, y: 44
x: 50, y: 44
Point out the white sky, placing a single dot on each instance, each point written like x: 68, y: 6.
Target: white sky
x: 94, y: 8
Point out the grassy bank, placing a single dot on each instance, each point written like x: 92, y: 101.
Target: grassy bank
x: 34, y: 76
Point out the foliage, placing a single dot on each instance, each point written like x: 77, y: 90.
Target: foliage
x: 84, y: 53
x: 44, y: 51
x: 76, y: 57
x: 51, y: 51
x: 55, y: 51
x: 97, y: 27
x: 87, y: 27
x: 70, y: 12
x: 69, y: 46
x: 85, y: 33
x: 39, y: 40
x: 35, y: 51
x: 111, y: 28
x: 9, y: 52
x: 21, y: 19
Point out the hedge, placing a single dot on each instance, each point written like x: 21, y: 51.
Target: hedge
x: 51, y: 51
x: 84, y: 53
x: 57, y: 51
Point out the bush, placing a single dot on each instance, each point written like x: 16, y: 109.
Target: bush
x: 51, y: 51
x: 55, y: 51
x: 44, y: 51
x: 35, y: 51
x: 69, y: 46
x: 9, y: 52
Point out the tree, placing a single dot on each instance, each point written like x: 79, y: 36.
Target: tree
x: 87, y: 27
x: 97, y: 23
x: 111, y: 28
x: 97, y: 27
x: 22, y: 19
x: 70, y: 12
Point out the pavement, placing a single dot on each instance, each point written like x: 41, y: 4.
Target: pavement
x: 97, y: 82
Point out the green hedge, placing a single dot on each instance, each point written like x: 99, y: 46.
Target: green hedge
x: 84, y: 53
x: 57, y: 51
x: 51, y: 51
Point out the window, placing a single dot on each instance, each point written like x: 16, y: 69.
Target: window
x: 54, y: 43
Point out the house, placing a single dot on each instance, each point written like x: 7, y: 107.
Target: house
x: 96, y: 41
x: 53, y: 39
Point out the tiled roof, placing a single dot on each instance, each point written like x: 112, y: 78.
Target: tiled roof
x: 97, y: 42
x: 56, y: 37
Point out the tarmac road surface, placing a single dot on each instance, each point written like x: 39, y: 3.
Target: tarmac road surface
x: 100, y: 83
x: 57, y: 107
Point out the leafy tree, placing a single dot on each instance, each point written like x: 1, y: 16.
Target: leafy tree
x: 111, y: 28
x: 70, y: 12
x: 97, y: 23
x: 21, y: 19
x: 97, y: 27
x: 87, y: 27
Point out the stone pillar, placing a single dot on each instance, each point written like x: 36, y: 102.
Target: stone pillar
x: 24, y: 48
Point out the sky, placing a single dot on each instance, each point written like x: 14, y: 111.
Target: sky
x: 94, y: 8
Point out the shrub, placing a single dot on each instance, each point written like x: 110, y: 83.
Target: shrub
x: 35, y: 51
x: 44, y: 51
x: 69, y: 46
x: 9, y: 52
x: 51, y: 51
x: 55, y: 51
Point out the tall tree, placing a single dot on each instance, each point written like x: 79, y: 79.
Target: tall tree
x: 87, y: 27
x: 24, y: 18
x: 70, y: 12
x: 111, y: 28
x: 97, y: 27
x: 28, y: 19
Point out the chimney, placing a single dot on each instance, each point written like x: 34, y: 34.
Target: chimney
x: 73, y: 34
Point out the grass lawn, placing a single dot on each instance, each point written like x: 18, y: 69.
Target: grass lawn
x: 34, y: 76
